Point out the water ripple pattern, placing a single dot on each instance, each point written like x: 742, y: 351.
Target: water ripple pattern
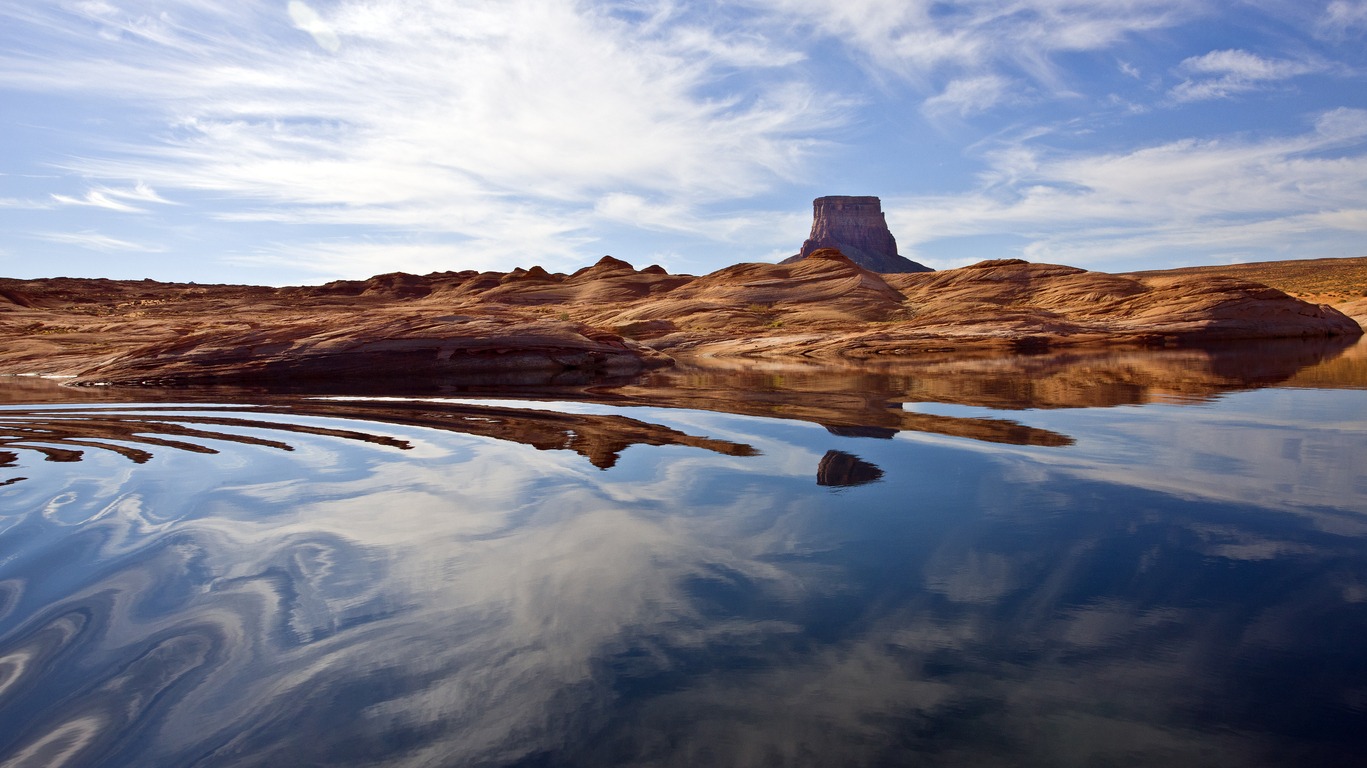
x: 409, y: 583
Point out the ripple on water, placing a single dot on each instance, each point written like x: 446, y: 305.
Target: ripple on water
x: 456, y: 585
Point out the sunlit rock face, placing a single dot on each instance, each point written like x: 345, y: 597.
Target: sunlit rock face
x: 857, y: 228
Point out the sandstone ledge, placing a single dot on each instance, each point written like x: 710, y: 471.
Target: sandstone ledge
x: 613, y: 319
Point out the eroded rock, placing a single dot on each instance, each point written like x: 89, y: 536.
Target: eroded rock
x: 856, y: 227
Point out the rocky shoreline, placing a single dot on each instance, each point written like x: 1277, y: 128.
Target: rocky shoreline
x: 530, y: 325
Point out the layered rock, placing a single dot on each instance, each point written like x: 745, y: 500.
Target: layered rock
x: 856, y: 227
x: 533, y: 326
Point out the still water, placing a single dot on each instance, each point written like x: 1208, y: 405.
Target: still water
x: 1117, y: 559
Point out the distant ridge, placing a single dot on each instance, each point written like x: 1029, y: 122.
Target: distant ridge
x: 856, y: 227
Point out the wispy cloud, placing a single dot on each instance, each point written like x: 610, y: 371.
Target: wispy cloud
x: 1220, y: 74
x: 97, y: 242
x: 19, y: 203
x: 308, y: 20
x: 1344, y: 18
x: 534, y: 131
x: 320, y: 261
x: 967, y: 96
x: 115, y: 199
x: 946, y: 48
x: 1206, y: 196
x: 431, y: 115
x: 754, y: 228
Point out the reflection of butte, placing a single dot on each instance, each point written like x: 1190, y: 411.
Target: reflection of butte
x: 62, y: 434
x: 842, y: 470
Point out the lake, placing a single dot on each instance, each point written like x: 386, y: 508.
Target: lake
x: 1102, y: 558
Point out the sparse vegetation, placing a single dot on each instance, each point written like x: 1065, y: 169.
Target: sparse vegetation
x: 42, y: 329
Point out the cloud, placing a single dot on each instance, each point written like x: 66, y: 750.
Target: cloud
x: 1343, y: 19
x: 19, y: 203
x: 469, y: 120
x: 113, y: 199
x: 537, y: 128
x: 928, y: 42
x: 96, y: 242
x: 1207, y: 196
x: 1220, y: 74
x: 967, y: 96
x: 308, y: 20
x: 749, y: 227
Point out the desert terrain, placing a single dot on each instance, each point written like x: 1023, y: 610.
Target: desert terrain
x: 530, y: 325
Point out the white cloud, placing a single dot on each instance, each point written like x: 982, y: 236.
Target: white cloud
x: 308, y: 20
x: 527, y: 130
x: 1344, y: 18
x: 752, y: 228
x: 22, y: 204
x: 1199, y: 195
x: 470, y: 120
x: 971, y: 95
x: 928, y: 41
x: 1220, y: 74
x: 114, y: 199
x: 97, y: 242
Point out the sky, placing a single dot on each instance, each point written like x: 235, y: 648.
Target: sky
x: 299, y: 141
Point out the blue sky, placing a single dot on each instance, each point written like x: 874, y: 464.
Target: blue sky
x: 297, y: 141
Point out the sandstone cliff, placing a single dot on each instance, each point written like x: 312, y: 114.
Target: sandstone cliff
x: 856, y: 227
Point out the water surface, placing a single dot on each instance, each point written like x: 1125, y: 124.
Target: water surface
x: 1105, y: 559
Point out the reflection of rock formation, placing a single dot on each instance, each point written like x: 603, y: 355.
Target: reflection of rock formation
x: 597, y: 437
x: 867, y: 402
x: 842, y: 469
x: 326, y: 606
x: 63, y: 435
x: 851, y: 402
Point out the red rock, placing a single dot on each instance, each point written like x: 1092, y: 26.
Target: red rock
x: 611, y: 318
x: 856, y: 227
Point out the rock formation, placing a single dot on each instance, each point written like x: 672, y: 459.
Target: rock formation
x: 856, y: 227
x: 534, y: 327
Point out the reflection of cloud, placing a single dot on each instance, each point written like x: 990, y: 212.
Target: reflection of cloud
x: 972, y: 577
x: 1310, y: 468
x: 482, y: 601
x: 1246, y: 452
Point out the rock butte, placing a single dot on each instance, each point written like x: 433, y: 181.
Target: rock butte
x: 856, y: 227
x: 532, y: 326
